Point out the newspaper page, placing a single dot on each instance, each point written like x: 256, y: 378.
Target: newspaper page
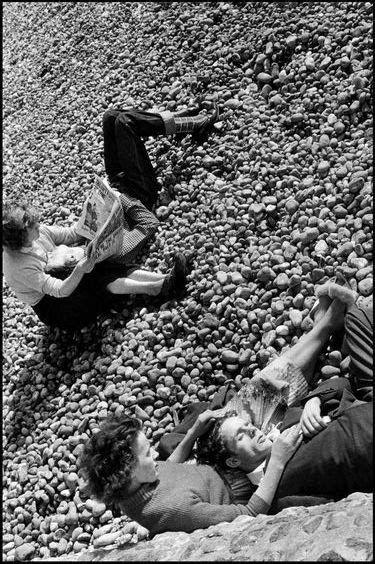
x: 109, y: 238
x: 102, y: 221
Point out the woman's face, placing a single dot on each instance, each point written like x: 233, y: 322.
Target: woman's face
x: 145, y: 470
x: 248, y: 445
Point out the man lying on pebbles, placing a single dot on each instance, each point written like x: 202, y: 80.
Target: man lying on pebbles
x: 335, y: 458
x: 119, y: 463
x: 81, y: 289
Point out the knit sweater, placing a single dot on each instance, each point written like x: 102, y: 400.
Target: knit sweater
x: 186, y: 497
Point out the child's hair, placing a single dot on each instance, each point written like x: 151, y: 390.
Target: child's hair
x: 17, y: 219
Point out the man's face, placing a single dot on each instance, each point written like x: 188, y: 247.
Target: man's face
x: 249, y: 446
x: 145, y: 469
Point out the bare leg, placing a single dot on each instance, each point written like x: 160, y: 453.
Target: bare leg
x: 129, y: 286
x: 146, y: 276
x: 305, y: 353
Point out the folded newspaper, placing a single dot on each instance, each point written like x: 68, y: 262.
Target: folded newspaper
x: 102, y: 221
x: 261, y: 403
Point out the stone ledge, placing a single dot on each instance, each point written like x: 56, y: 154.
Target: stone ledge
x: 335, y: 531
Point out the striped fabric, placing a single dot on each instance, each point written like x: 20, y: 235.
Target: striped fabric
x: 184, y: 124
x: 139, y: 226
x: 169, y: 122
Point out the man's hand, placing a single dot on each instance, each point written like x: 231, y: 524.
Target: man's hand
x: 286, y: 444
x: 204, y: 421
x: 311, y: 420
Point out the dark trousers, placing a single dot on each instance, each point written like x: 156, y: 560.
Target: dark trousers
x: 337, y: 461
x: 125, y: 152
x: 358, y: 343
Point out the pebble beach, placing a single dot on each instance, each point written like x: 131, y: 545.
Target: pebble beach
x: 276, y: 201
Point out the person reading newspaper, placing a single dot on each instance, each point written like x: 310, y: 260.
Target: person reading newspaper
x: 49, y: 268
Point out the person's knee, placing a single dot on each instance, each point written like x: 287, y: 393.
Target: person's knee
x: 109, y: 117
x: 124, y: 119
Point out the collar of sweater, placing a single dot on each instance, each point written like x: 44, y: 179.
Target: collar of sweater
x: 143, y: 494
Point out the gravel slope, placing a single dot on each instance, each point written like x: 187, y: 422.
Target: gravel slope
x: 277, y: 200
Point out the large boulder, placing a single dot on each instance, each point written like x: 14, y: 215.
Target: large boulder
x: 335, y: 531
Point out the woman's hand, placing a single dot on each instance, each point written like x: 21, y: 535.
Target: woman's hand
x: 86, y: 265
x: 311, y: 420
x: 204, y: 421
x: 286, y: 444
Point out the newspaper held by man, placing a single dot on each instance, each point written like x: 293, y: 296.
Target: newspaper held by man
x: 102, y: 221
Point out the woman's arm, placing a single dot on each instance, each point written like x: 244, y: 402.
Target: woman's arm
x: 201, y: 425
x: 64, y: 288
x: 63, y: 235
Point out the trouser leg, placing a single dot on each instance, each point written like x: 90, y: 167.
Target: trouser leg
x: 358, y: 344
x: 125, y: 152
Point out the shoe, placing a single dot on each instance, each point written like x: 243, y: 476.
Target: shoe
x: 201, y: 134
x: 168, y: 289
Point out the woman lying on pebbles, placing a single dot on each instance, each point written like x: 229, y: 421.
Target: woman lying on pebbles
x: 81, y: 290
x: 119, y: 463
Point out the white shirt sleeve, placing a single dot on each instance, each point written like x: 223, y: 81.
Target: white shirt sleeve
x: 38, y: 280
x: 62, y: 235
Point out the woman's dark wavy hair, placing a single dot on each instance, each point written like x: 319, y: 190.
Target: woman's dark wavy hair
x: 108, y: 458
x: 211, y: 449
x: 17, y: 218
